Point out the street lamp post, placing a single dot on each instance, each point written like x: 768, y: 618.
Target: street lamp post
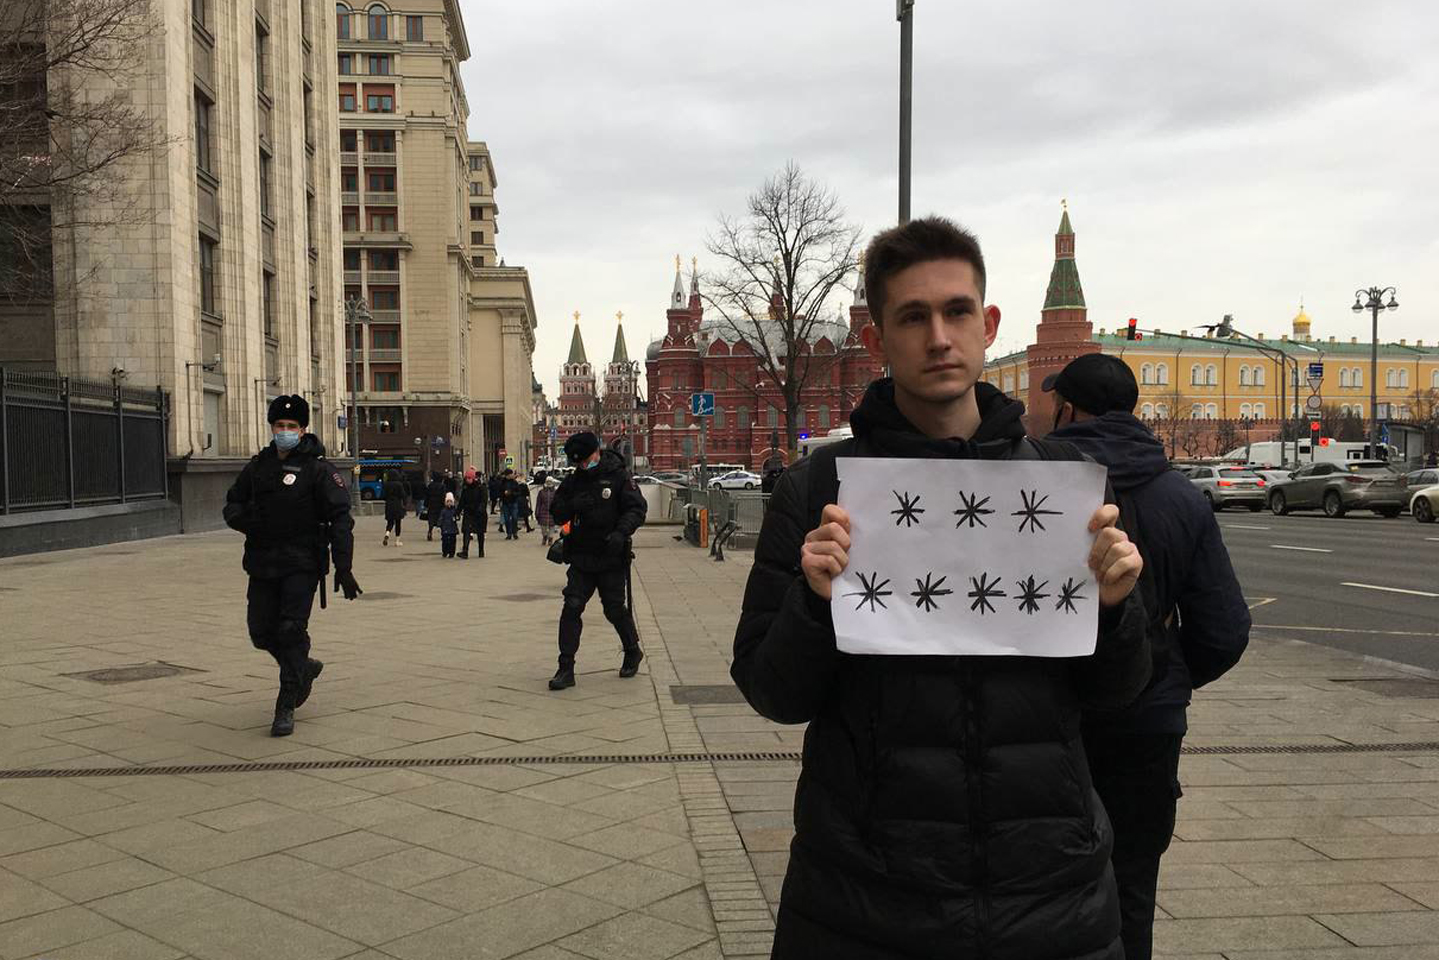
x: 1225, y: 329
x: 904, y: 13
x: 356, y: 311
x: 1372, y: 300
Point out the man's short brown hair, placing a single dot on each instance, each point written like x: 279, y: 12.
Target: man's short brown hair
x: 918, y: 241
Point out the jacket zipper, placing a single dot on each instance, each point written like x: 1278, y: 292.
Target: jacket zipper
x: 979, y: 822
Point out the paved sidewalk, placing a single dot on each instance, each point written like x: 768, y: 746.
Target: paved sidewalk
x: 424, y: 808
x: 1277, y: 856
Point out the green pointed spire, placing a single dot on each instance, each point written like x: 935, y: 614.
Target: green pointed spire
x: 622, y: 355
x: 1065, y: 292
x: 577, y: 344
x: 1065, y: 230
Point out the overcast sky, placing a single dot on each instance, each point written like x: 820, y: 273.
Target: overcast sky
x: 1226, y: 157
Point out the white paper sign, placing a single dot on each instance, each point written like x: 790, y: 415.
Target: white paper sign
x: 983, y: 558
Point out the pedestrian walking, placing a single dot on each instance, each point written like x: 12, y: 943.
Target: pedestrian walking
x: 495, y: 484
x: 396, y: 492
x: 543, y: 516
x: 1198, y: 625
x: 292, y: 506
x: 472, y: 513
x: 604, y: 507
x: 944, y: 807
x: 434, y: 502
x: 526, y: 511
x: 510, y: 505
x: 449, y: 526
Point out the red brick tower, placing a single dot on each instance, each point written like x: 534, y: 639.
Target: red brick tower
x: 857, y: 367
x: 1064, y: 330
x: 577, y: 389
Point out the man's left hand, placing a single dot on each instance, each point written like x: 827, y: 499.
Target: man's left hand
x: 1114, y: 558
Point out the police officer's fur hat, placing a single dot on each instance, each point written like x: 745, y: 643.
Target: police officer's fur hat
x: 292, y: 407
x: 579, y: 447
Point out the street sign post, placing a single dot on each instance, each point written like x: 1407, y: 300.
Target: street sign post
x: 1314, y: 404
x: 702, y: 405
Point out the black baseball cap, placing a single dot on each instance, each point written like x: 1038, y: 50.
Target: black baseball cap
x: 1095, y: 383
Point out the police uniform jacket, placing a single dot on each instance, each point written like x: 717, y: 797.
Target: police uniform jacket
x: 597, y: 502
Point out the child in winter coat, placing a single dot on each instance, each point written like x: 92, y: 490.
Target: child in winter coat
x: 449, y: 526
x: 543, y: 500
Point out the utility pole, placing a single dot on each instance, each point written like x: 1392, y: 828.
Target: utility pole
x: 1373, y: 302
x: 904, y: 13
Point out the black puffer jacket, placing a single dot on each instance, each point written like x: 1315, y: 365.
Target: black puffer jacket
x: 596, y: 503
x: 944, y: 808
x: 290, y: 510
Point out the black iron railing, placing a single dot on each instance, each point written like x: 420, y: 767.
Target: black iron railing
x: 68, y: 442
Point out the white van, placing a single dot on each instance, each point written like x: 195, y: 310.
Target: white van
x: 1282, y: 454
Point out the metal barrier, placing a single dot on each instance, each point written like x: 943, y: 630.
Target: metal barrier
x: 67, y: 442
x: 743, y: 508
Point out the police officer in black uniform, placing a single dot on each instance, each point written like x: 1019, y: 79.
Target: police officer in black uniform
x: 291, y: 504
x: 604, y: 508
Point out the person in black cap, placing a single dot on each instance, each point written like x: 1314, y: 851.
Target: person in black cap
x: 604, y: 507
x: 1198, y: 629
x: 291, y: 504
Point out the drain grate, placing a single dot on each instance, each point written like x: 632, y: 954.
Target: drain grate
x: 384, y: 595
x: 527, y: 597
x: 691, y: 694
x: 130, y: 674
x: 1394, y: 686
x: 764, y: 756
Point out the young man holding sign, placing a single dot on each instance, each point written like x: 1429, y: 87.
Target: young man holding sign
x: 945, y: 807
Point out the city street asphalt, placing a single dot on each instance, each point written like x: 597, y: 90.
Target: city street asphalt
x: 1361, y: 583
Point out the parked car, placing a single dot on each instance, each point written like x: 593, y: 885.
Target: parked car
x: 1223, y: 486
x: 669, y: 476
x: 736, y: 480
x: 1272, y: 476
x: 1337, y: 488
x: 1424, y: 504
x: 1419, y: 479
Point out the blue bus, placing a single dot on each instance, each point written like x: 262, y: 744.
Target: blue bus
x: 372, y: 475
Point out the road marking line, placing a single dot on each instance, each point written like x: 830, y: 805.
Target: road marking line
x: 1373, y: 586
x: 1377, y: 633
x: 1431, y: 538
x: 1243, y: 526
x: 1261, y: 602
x: 1284, y: 546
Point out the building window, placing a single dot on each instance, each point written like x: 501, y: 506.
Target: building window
x: 1434, y: 380
x: 352, y: 260
x: 379, y: 103
x: 384, y: 221
x: 380, y: 141
x: 1008, y: 383
x: 267, y: 302
x: 1196, y: 412
x: 384, y: 298
x: 1196, y: 376
x: 1146, y: 374
x: 474, y: 188
x: 1245, y: 410
x: 1161, y: 374
x: 824, y: 415
x: 1146, y: 412
x: 348, y: 141
x: 476, y: 164
x: 349, y: 181
x: 477, y: 213
x: 384, y: 259
x: 379, y: 23
x: 414, y: 29
x: 1259, y: 411
x: 1211, y: 411
x: 385, y: 378
x: 385, y: 338
x: 1244, y: 378
x: 1024, y: 379
x: 1257, y: 376
x: 743, y: 419
x: 1403, y: 379
x: 350, y: 220
x: 203, y: 144
x: 262, y: 59
x: 1343, y: 377
x: 347, y: 101
x: 679, y: 418
x: 772, y: 415
x: 382, y: 181
x: 265, y: 186
x: 718, y: 417
x: 207, y: 276
x: 347, y: 64
x: 380, y: 64
x: 1211, y: 375
x: 477, y: 261
x: 342, y: 21
x: 477, y: 237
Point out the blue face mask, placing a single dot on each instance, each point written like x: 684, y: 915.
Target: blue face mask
x: 287, y: 439
x: 592, y: 464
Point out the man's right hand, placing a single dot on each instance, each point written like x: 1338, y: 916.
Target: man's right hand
x: 826, y: 550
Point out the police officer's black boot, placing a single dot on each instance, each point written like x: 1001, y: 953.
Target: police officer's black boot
x: 312, y: 670
x: 631, y: 664
x: 564, y: 677
x: 284, y: 723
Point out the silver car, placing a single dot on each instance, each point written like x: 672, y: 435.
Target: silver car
x: 1337, y: 488
x: 1223, y: 486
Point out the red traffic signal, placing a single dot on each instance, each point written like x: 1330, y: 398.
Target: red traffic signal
x: 1133, y: 332
x: 1314, y: 425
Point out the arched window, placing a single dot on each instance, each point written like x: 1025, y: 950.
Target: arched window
x: 1344, y: 408
x: 1344, y: 378
x: 1434, y: 380
x: 1245, y: 410
x: 1259, y: 376
x: 1146, y: 374
x: 1259, y: 411
x: 1161, y: 410
x: 1008, y: 380
x: 342, y: 21
x: 1211, y: 375
x: 1161, y: 374
x: 679, y: 418
x: 1403, y: 378
x: 1196, y: 412
x: 1211, y: 411
x: 1195, y: 375
x: 1146, y: 412
x: 379, y: 23
x: 1356, y: 377
x: 1390, y: 379
x: 773, y: 416
x: 1244, y: 376
x: 824, y: 415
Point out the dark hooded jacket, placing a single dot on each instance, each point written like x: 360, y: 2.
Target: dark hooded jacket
x: 288, y: 523
x: 596, y: 503
x: 944, y: 807
x: 435, y: 498
x: 1185, y: 561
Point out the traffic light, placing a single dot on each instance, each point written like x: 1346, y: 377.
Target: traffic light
x: 1133, y: 332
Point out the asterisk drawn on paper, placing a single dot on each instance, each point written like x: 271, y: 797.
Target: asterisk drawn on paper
x: 985, y: 590
x: 973, y: 511
x: 927, y: 589
x: 1030, y: 595
x: 872, y: 593
x: 1032, y: 512
x: 909, y: 509
x: 1068, y: 594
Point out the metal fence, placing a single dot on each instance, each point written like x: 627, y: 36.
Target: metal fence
x: 68, y: 442
x: 745, y: 508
